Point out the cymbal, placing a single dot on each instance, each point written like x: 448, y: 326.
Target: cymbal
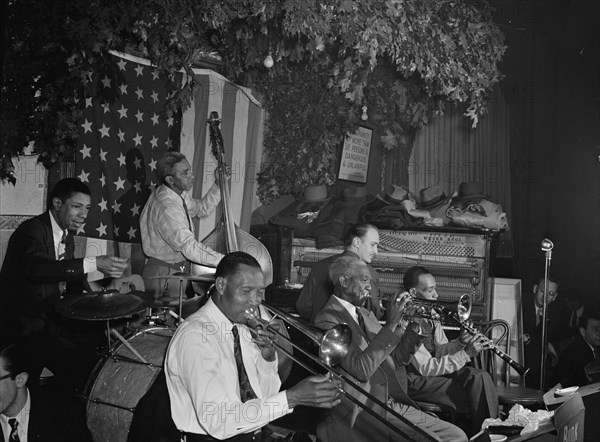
x: 185, y: 277
x: 102, y: 305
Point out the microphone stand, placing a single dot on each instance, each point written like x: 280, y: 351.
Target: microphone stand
x: 547, y: 247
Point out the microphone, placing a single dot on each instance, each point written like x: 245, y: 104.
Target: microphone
x: 547, y: 245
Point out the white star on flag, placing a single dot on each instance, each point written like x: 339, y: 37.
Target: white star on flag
x: 120, y: 183
x: 132, y: 232
x: 139, y: 93
x: 123, y: 89
x: 122, y: 112
x: 121, y: 136
x: 104, y: 131
x: 101, y: 230
x: 139, y: 71
x: 85, y: 152
x: 135, y: 210
x: 106, y: 82
x: 87, y: 126
x: 139, y: 116
x: 121, y: 159
x: 102, y: 204
x: 116, y: 207
x: 137, y: 139
x: 83, y: 177
x: 102, y: 155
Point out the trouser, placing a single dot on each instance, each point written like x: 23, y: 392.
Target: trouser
x: 468, y: 390
x: 167, y: 287
x: 369, y: 429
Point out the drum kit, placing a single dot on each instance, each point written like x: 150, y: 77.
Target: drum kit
x: 130, y: 365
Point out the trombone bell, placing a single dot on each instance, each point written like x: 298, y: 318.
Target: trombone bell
x: 333, y: 343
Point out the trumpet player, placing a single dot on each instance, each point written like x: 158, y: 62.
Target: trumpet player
x: 438, y: 373
x: 377, y: 359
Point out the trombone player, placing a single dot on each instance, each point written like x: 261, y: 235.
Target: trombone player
x: 377, y: 360
x: 222, y: 380
x: 438, y: 372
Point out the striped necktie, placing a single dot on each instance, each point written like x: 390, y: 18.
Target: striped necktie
x: 63, y: 242
x: 14, y: 434
x: 246, y: 391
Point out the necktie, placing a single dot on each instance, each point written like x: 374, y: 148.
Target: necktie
x: 62, y: 285
x: 361, y: 322
x: 63, y: 241
x: 246, y: 391
x: 14, y: 435
x: 187, y: 214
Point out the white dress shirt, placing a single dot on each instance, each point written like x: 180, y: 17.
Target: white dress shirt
x: 22, y: 418
x: 348, y: 306
x: 165, y: 227
x: 449, y: 357
x: 202, y: 378
x: 89, y: 263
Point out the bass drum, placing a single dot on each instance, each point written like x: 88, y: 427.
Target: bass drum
x: 120, y: 380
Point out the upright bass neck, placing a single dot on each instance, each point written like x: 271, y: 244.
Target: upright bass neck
x: 218, y: 151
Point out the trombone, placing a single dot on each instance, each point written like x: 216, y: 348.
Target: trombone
x: 333, y: 344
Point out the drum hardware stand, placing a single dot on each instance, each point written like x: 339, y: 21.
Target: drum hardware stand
x: 130, y: 347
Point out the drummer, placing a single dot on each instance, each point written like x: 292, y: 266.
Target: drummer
x: 166, y: 226
x: 39, y: 268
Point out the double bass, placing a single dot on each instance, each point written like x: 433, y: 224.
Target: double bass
x: 227, y: 236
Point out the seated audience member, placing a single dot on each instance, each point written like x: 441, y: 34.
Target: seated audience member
x: 570, y: 369
x: 376, y: 360
x: 563, y: 326
x: 438, y: 371
x: 38, y: 414
x: 361, y: 242
x: 222, y: 379
x: 532, y: 308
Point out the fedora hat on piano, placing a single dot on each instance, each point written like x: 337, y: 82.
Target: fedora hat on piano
x: 315, y: 193
x: 355, y: 195
x: 470, y: 191
x: 431, y: 196
x: 396, y: 195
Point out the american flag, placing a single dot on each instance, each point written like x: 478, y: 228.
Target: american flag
x: 124, y: 133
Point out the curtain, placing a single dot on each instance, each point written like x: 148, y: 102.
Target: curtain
x: 448, y: 151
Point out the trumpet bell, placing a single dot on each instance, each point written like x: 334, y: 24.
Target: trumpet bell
x: 335, y: 344
x: 463, y: 309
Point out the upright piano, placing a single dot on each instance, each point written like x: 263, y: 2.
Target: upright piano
x: 458, y: 258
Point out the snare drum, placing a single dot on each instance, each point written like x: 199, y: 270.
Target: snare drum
x: 120, y: 380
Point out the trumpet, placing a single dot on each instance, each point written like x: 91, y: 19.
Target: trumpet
x: 460, y: 316
x: 334, y: 344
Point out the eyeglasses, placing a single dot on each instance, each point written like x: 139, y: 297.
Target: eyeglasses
x: 4, y: 377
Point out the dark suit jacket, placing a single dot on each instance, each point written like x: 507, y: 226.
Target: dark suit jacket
x: 377, y: 364
x: 53, y: 419
x: 570, y: 368
x: 30, y: 272
x: 318, y: 287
